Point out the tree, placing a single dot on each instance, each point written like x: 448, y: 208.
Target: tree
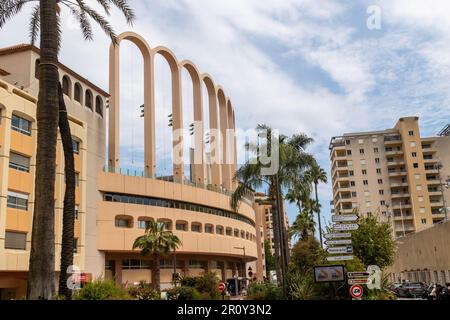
x: 373, y: 242
x: 156, y: 241
x: 292, y: 161
x: 45, y: 21
x: 303, y: 226
x: 306, y: 254
x: 270, y: 259
x: 316, y: 175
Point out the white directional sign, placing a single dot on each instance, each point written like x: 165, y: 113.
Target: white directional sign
x: 359, y: 281
x: 337, y: 235
x: 346, y: 249
x: 338, y: 242
x: 346, y: 227
x: 344, y: 217
x: 340, y: 258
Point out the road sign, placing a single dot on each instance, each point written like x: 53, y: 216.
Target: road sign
x: 329, y: 273
x: 358, y: 274
x: 359, y: 281
x: 356, y: 291
x: 340, y: 258
x: 222, y: 286
x: 346, y: 226
x: 338, y: 242
x: 344, y: 217
x: 346, y: 249
x: 337, y: 235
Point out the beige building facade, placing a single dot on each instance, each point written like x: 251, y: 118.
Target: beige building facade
x: 394, y: 173
x: 113, y: 204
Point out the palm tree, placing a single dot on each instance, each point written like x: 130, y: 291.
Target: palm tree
x: 292, y: 160
x: 46, y: 21
x: 303, y: 226
x: 316, y: 175
x: 156, y: 241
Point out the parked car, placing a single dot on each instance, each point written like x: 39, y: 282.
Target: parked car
x: 412, y: 290
x: 394, y: 287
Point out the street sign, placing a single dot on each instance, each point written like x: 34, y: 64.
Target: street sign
x: 358, y: 274
x: 338, y: 242
x: 359, y: 281
x: 356, y: 291
x: 337, y: 235
x: 329, y: 273
x: 346, y: 226
x: 222, y: 286
x: 346, y: 249
x: 340, y: 258
x: 344, y: 217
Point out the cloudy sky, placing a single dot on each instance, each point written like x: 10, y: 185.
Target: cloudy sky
x: 309, y: 66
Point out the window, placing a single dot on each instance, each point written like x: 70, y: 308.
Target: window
x: 209, y: 228
x: 365, y: 182
x: 378, y: 171
x: 349, y: 163
x: 424, y: 221
x: 417, y: 176
x: 228, y: 231
x: 99, y: 105
x: 366, y: 193
x: 353, y: 194
x: 75, y: 245
x: 77, y: 93
x: 414, y: 154
x: 37, y: 68
x: 77, y: 179
x: 196, y: 264
x: 364, y: 171
x: 123, y: 222
x: 415, y: 165
x: 362, y: 161
x: 375, y: 150
x: 17, y: 200
x: 88, y: 99
x: 411, y: 133
x: 347, y: 141
x: 351, y: 173
x: 380, y: 181
x: 181, y: 225
x: 361, y: 141
x: 422, y: 210
x: 66, y: 85
x: 15, y: 240
x: 143, y: 223
x: 21, y: 125
x: 236, y: 232
x: 383, y: 202
x: 412, y: 144
x: 242, y: 234
x: 377, y: 160
x: 196, y: 227
x: 128, y: 264
x: 381, y: 192
x: 361, y: 151
x: 77, y: 209
x: 19, y: 162
x: 352, y: 183
x: 219, y: 229
x: 75, y: 146
x: 349, y: 152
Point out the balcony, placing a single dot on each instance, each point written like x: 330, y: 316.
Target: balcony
x: 394, y: 152
x: 404, y: 218
x: 397, y: 173
x: 398, y: 195
x: 395, y: 163
x: 434, y: 192
x: 398, y: 184
x: 430, y: 159
x: 433, y: 182
x: 392, y: 140
x: 436, y: 203
x: 401, y: 206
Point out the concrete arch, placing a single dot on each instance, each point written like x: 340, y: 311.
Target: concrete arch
x: 114, y: 103
x: 223, y: 119
x: 232, y: 155
x: 214, y: 129
x: 199, y: 165
x: 177, y: 111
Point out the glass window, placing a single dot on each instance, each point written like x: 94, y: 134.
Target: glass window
x: 75, y: 146
x: 21, y: 125
x: 77, y: 94
x: 15, y: 240
x: 19, y: 162
x: 122, y: 222
x: 77, y: 208
x: 75, y: 245
x: 17, y: 200
x: 142, y: 224
x: 195, y: 227
x: 107, y: 197
x: 228, y: 231
x: 209, y: 228
x: 219, y: 229
x: 181, y: 225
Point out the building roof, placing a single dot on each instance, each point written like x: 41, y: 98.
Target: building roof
x: 28, y: 47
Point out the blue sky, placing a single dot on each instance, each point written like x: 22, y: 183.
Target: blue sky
x: 308, y: 66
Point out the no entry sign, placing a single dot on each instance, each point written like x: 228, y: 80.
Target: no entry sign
x: 356, y: 291
x: 221, y: 286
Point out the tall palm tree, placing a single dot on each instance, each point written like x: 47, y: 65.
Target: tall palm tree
x: 317, y: 175
x: 45, y: 21
x: 292, y: 160
x: 303, y: 226
x: 157, y: 241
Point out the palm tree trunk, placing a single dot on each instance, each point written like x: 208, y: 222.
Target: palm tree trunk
x: 67, y: 243
x: 318, y: 214
x: 276, y: 231
x: 41, y: 275
x: 157, y: 282
x: 284, y: 247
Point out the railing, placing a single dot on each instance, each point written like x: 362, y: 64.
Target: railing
x: 392, y: 138
x: 249, y: 197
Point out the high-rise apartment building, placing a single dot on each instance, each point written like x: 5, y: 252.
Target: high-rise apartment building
x: 395, y: 173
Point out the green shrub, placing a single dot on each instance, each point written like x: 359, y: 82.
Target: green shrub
x: 206, y: 285
x: 263, y: 291
x: 144, y: 291
x: 183, y: 293
x: 301, y: 286
x: 101, y: 290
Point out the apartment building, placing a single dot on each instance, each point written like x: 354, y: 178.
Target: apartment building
x: 394, y: 173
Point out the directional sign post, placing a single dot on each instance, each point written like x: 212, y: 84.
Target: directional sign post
x: 339, y: 250
x: 337, y: 235
x: 340, y: 258
x: 359, y: 281
x: 346, y: 227
x: 338, y: 242
x: 344, y: 218
x: 358, y: 274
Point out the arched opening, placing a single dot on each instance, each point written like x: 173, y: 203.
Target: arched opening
x: 181, y: 225
x: 229, y: 231
x: 123, y: 221
x: 219, y: 229
x: 99, y: 105
x: 167, y: 223
x: 209, y: 228
x: 143, y: 222
x: 88, y: 99
x: 78, y: 93
x: 188, y: 124
x: 37, y: 69
x: 66, y: 86
x: 196, y: 227
x: 223, y: 120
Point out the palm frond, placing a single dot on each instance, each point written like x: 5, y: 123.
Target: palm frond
x: 35, y: 24
x: 126, y: 10
x: 9, y: 8
x: 105, y: 4
x: 101, y: 21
